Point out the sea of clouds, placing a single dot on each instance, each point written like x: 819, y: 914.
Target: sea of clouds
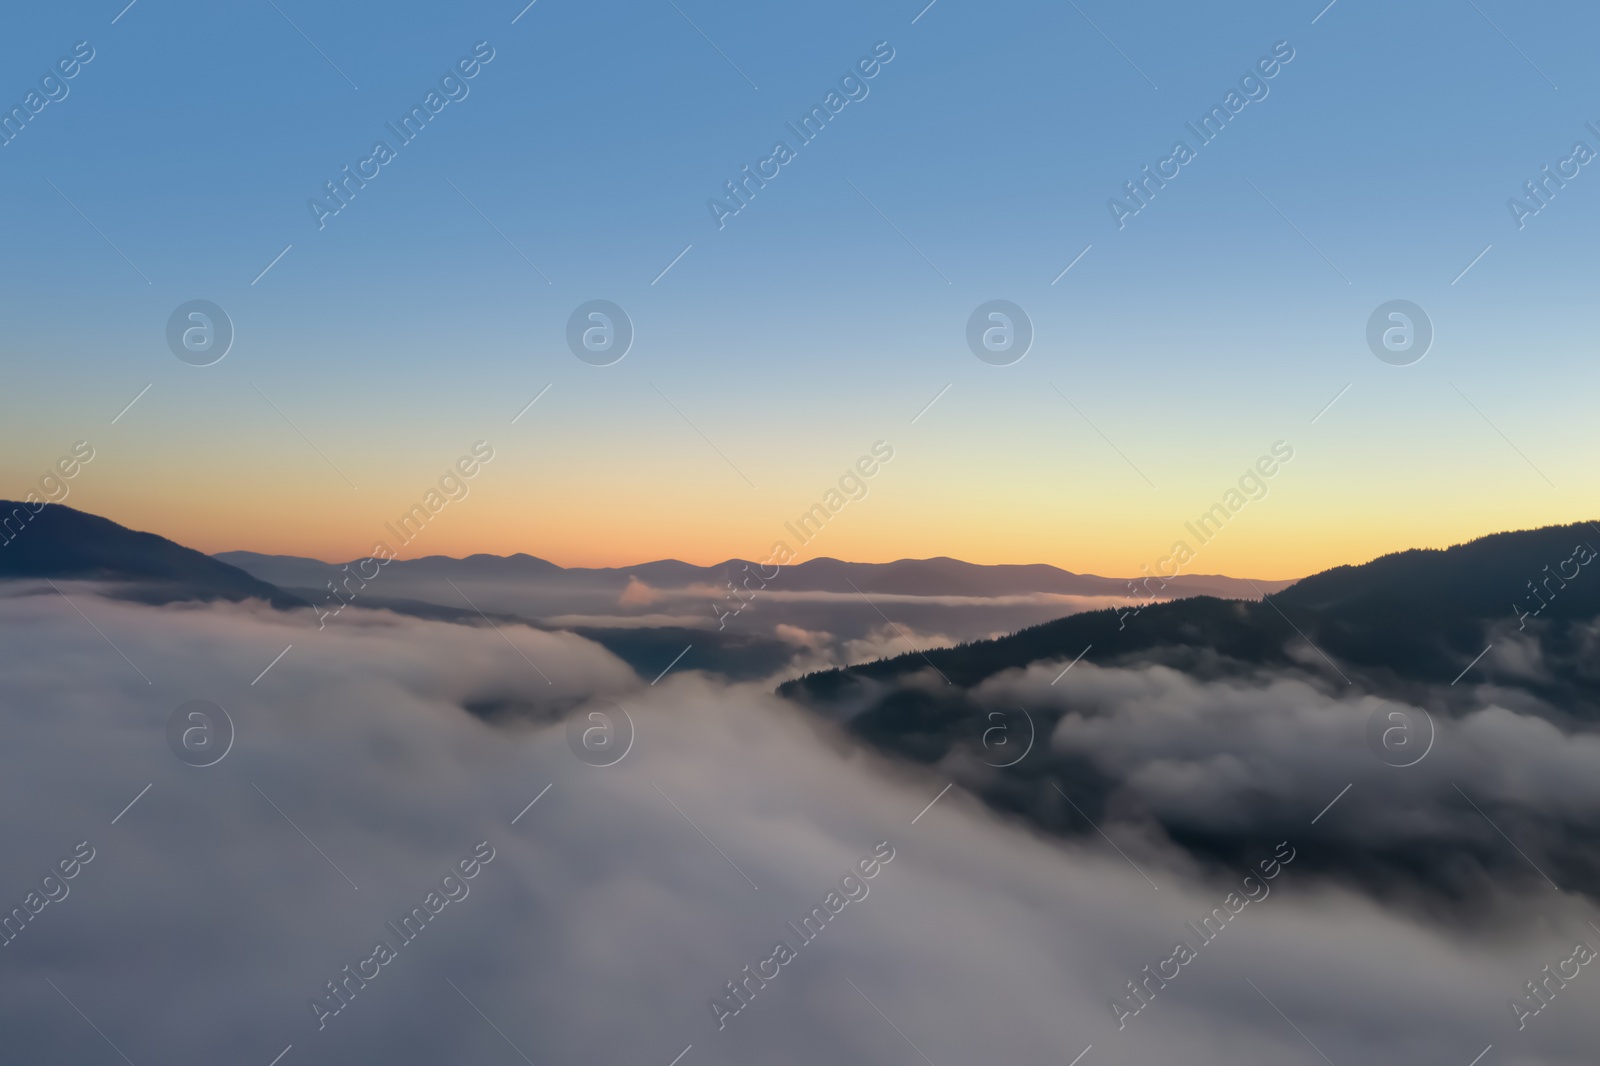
x: 623, y: 900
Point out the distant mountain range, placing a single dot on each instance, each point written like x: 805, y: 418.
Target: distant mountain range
x: 645, y: 614
x: 61, y: 541
x: 1414, y: 616
x: 906, y: 577
x: 819, y: 611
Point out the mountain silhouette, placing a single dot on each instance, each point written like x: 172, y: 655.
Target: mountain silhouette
x: 1415, y: 616
x: 907, y: 577
x: 62, y: 542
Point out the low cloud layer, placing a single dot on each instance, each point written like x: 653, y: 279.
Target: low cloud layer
x: 377, y: 753
x: 1217, y: 763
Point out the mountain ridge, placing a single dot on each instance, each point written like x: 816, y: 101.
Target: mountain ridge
x: 63, y: 542
x: 1415, y: 614
x: 936, y: 576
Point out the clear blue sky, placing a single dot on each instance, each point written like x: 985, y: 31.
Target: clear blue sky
x: 808, y: 327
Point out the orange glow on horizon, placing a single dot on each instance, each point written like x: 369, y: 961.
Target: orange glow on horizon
x: 1276, y: 547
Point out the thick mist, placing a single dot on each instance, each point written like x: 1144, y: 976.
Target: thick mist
x: 381, y: 752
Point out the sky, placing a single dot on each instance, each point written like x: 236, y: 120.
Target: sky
x: 373, y: 347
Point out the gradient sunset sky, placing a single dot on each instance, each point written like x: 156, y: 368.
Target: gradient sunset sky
x: 829, y: 312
